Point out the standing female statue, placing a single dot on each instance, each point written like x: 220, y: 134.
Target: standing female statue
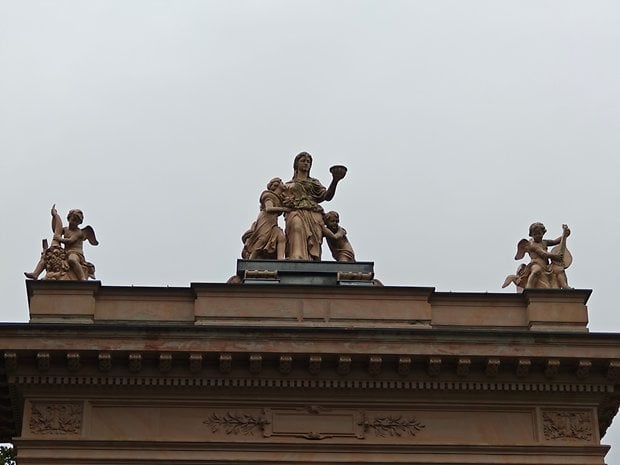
x: 304, y: 221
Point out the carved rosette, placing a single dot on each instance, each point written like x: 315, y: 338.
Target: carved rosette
x: 567, y: 425
x: 56, y: 419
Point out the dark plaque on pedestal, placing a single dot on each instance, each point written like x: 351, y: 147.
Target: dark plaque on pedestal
x: 306, y: 272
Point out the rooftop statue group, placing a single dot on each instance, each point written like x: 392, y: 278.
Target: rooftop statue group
x: 306, y: 225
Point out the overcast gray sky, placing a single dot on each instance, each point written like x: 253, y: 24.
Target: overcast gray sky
x: 461, y: 122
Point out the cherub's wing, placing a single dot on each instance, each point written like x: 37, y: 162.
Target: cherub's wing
x: 89, y: 233
x: 521, y: 248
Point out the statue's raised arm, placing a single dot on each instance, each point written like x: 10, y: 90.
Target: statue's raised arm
x: 338, y: 172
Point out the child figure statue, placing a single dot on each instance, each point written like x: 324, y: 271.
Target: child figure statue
x: 265, y: 239
x: 64, y: 259
x: 337, y: 238
x: 546, y: 269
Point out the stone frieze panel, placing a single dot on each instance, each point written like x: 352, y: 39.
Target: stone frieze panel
x: 568, y: 425
x: 314, y: 423
x: 57, y: 419
x: 251, y: 423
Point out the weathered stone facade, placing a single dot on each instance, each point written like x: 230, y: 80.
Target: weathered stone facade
x: 215, y: 374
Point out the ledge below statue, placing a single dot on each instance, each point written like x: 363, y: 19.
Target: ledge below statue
x: 305, y: 273
x: 216, y: 304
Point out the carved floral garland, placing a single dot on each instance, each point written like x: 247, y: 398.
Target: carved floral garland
x: 393, y: 426
x: 236, y: 423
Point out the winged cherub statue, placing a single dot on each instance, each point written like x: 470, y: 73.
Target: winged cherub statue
x: 64, y: 259
x: 546, y: 269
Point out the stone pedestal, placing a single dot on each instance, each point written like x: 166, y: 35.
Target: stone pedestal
x: 306, y: 273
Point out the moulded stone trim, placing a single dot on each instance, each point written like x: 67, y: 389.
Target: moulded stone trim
x: 314, y: 423
x: 304, y: 383
x: 327, y: 364
x: 147, y: 452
